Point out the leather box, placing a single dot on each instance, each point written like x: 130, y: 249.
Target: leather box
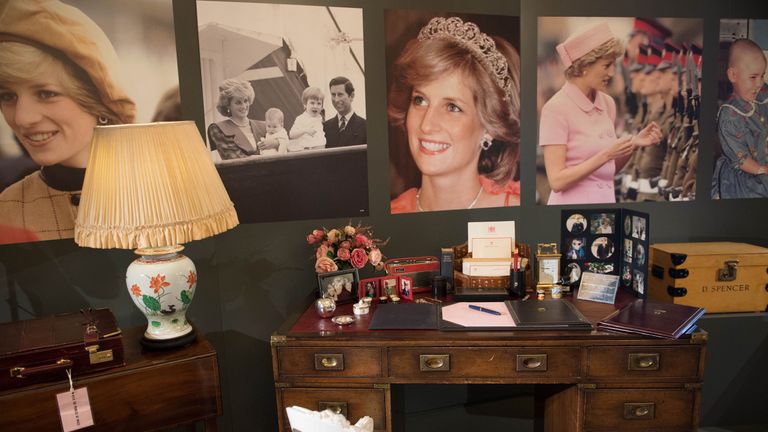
x: 718, y: 276
x: 42, y: 349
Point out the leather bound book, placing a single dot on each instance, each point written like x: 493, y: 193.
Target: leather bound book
x: 665, y: 320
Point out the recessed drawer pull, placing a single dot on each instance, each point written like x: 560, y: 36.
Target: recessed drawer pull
x: 329, y: 362
x: 335, y: 407
x: 639, y: 410
x: 643, y: 361
x: 434, y: 362
x: 531, y: 362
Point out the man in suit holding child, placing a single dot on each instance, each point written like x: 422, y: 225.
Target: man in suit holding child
x: 346, y: 128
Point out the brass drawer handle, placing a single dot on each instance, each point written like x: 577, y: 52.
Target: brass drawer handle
x: 639, y: 410
x: 335, y: 407
x: 644, y: 361
x: 434, y: 362
x: 531, y: 362
x: 329, y: 362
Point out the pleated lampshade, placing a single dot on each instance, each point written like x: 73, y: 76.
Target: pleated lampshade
x: 151, y: 185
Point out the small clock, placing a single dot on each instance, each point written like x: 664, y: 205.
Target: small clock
x: 547, y: 266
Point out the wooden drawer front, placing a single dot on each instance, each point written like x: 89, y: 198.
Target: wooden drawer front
x: 638, y: 410
x: 650, y: 362
x: 329, y: 362
x: 352, y: 403
x: 423, y: 363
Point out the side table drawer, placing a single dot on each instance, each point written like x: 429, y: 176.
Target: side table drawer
x: 487, y: 362
x: 653, y: 362
x: 639, y: 410
x: 352, y: 403
x: 329, y: 362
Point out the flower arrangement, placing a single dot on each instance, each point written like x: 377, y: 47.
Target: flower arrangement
x: 346, y: 248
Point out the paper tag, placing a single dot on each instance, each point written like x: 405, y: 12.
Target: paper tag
x: 75, y: 409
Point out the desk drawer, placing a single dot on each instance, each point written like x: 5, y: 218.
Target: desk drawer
x: 329, y: 362
x: 629, y: 410
x: 486, y: 362
x: 352, y: 403
x: 650, y: 362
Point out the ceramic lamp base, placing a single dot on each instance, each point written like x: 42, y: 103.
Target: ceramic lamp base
x: 166, y: 344
x: 162, y: 283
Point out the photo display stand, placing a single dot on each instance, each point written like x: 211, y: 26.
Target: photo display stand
x: 606, y: 241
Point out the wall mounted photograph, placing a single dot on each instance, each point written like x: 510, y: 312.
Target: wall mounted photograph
x: 618, y: 105
x: 284, y: 96
x: 453, y: 106
x: 66, y: 67
x: 741, y: 156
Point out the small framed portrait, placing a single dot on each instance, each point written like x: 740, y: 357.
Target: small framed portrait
x: 639, y: 254
x: 576, y: 248
x: 626, y: 275
x: 369, y: 288
x: 627, y: 250
x: 638, y: 227
x: 602, y: 248
x: 340, y: 285
x: 405, y: 287
x: 576, y: 223
x: 627, y: 225
x: 638, y: 282
x: 602, y: 223
x: 599, y: 267
x: 573, y: 273
x: 388, y: 286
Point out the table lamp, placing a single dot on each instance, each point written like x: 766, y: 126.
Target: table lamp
x: 151, y: 187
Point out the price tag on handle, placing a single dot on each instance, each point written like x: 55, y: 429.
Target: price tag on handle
x: 74, y: 407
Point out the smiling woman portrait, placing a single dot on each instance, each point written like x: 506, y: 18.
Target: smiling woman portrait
x: 56, y: 85
x: 576, y: 130
x: 454, y: 96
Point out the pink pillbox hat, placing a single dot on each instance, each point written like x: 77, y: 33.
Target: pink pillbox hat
x: 581, y: 43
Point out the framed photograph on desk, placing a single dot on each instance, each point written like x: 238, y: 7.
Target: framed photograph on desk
x: 405, y: 287
x: 339, y: 285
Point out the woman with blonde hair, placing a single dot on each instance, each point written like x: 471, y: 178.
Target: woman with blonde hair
x: 581, y: 150
x: 455, y: 95
x: 56, y: 84
x: 237, y: 136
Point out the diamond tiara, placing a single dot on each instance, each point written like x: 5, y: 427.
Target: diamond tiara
x: 469, y: 36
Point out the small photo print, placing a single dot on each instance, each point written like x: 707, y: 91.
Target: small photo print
x: 576, y: 223
x: 599, y: 267
x: 369, y: 288
x: 340, y: 285
x: 627, y: 250
x: 627, y: 225
x: 626, y: 276
x: 602, y: 248
x: 638, y: 282
x: 406, y: 287
x: 639, y: 255
x: 603, y: 223
x: 573, y: 272
x: 576, y: 248
x: 388, y: 286
x: 638, y: 227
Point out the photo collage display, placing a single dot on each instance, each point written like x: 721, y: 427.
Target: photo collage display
x: 606, y: 241
x: 386, y: 287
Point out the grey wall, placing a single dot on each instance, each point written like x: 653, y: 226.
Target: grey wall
x: 253, y: 277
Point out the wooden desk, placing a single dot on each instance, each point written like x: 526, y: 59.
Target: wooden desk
x: 153, y: 391
x: 587, y: 381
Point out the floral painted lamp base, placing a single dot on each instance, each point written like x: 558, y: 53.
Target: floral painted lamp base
x: 162, y: 283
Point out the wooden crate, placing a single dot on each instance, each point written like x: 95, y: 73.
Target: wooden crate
x: 718, y: 276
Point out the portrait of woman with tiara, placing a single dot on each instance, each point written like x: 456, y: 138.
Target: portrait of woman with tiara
x: 453, y: 103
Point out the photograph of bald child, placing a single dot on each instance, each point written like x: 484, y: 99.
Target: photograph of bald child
x: 742, y: 166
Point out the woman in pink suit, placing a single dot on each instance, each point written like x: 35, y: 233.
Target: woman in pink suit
x: 581, y: 150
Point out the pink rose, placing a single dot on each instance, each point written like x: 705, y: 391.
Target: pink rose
x: 343, y: 254
x: 362, y: 241
x: 375, y: 256
x: 349, y: 230
x: 346, y: 244
x: 359, y: 258
x: 325, y: 265
x: 321, y: 251
x: 318, y: 234
x: 311, y: 239
x: 333, y: 235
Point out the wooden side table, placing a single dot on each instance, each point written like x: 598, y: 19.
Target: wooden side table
x: 154, y: 390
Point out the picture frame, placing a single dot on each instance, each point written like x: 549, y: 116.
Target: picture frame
x: 598, y: 287
x: 339, y: 285
x: 369, y: 288
x: 388, y: 286
x: 405, y: 287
